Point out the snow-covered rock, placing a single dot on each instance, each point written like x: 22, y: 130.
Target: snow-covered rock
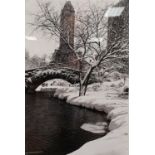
x: 99, y: 127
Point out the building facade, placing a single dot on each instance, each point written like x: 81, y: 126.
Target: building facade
x: 118, y: 31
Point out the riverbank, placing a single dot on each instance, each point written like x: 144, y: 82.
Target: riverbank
x: 106, y: 98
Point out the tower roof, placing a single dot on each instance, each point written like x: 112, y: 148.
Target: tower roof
x: 68, y: 6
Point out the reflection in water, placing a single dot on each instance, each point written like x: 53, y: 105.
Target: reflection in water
x: 53, y: 128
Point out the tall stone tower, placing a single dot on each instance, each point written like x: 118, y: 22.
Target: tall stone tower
x: 67, y: 25
x: 65, y: 55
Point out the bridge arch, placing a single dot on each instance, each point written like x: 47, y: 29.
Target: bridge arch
x: 34, y: 78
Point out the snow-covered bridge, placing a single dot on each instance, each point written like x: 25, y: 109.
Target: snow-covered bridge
x: 37, y: 76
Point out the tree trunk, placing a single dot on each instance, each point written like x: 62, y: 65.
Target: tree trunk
x: 84, y: 83
x: 82, y: 90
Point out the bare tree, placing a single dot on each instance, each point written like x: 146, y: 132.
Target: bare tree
x: 92, y: 38
x: 91, y: 28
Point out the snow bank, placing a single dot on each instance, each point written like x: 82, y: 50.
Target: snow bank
x: 107, y: 100
x: 105, y: 97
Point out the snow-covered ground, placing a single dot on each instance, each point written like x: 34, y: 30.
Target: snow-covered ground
x: 55, y: 83
x: 102, y: 97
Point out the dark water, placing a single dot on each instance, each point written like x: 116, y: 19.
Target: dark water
x: 53, y: 127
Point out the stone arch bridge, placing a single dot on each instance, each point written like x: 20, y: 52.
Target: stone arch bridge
x: 37, y: 76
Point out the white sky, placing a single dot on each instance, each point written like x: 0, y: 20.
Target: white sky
x: 38, y: 44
